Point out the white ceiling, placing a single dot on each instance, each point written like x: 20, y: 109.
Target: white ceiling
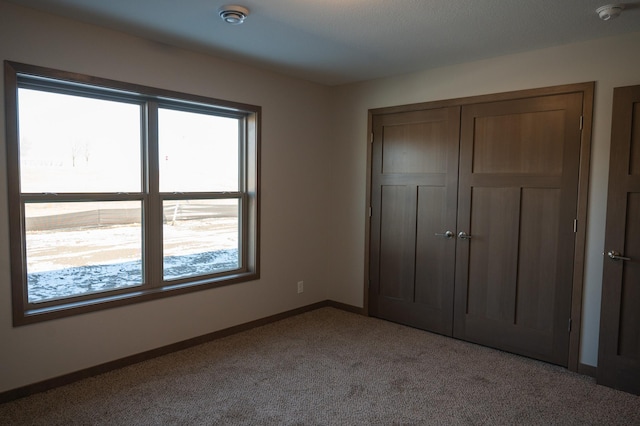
x: 342, y: 41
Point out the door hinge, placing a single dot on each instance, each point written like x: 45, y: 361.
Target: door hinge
x: 369, y: 211
x: 581, y: 121
x: 569, y: 328
x: 371, y: 138
x: 575, y: 225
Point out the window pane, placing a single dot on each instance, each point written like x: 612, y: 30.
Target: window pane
x: 80, y: 248
x: 198, y: 152
x: 78, y: 144
x: 200, y: 237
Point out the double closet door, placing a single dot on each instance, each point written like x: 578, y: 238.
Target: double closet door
x: 473, y: 220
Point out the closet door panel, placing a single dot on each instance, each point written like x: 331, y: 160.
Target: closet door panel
x: 493, y: 261
x: 538, y: 258
x: 397, y: 241
x: 413, y: 198
x: 433, y: 255
x: 519, y: 164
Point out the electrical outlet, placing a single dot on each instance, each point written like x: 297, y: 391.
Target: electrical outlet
x: 300, y: 286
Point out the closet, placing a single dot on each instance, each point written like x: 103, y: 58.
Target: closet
x: 476, y: 210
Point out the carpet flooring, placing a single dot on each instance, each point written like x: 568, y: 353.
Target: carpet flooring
x: 330, y: 367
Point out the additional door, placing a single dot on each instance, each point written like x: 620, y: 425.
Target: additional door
x: 518, y: 189
x: 619, y: 349
x: 413, y: 197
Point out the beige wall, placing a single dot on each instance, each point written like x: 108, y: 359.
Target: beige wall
x: 610, y: 62
x: 295, y: 192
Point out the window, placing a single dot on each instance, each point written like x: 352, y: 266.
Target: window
x: 120, y: 193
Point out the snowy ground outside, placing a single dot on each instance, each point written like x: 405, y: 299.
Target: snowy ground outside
x: 71, y: 262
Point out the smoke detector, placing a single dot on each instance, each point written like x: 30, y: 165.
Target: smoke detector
x: 609, y: 11
x: 234, y: 15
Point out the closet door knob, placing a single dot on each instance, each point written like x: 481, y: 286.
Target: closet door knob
x: 464, y: 236
x: 446, y: 234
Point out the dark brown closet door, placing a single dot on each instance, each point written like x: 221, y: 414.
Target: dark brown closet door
x: 619, y: 350
x: 413, y: 197
x: 519, y: 164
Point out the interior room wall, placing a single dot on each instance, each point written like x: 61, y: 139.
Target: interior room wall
x: 295, y: 191
x: 611, y: 62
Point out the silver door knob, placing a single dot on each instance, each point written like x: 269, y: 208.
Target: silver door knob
x: 464, y: 236
x: 614, y: 255
x: 446, y: 234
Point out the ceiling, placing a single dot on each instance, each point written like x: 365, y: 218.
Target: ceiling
x: 342, y: 41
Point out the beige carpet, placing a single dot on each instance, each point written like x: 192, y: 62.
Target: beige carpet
x: 329, y: 367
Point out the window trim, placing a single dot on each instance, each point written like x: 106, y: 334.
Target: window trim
x: 19, y: 75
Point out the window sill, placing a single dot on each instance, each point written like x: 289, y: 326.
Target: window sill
x: 71, y: 308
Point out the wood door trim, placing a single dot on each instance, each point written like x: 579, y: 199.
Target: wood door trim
x: 367, y: 215
x: 493, y: 97
x: 581, y: 230
x: 587, y: 89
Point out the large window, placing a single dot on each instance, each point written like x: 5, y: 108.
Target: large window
x: 121, y: 193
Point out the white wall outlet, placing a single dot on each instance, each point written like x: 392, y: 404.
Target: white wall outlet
x: 300, y: 286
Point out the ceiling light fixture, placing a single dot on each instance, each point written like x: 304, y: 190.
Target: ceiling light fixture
x: 234, y: 15
x: 609, y: 11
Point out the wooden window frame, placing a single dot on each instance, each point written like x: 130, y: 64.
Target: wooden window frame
x: 150, y: 99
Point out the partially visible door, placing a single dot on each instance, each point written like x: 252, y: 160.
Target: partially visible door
x: 414, y: 174
x: 519, y: 169
x: 619, y: 347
